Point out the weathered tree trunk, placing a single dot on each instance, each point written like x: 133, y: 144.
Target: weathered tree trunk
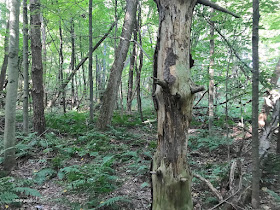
x: 25, y: 68
x: 110, y: 94
x: 255, y: 108
x: 11, y: 99
x: 37, y: 68
x: 171, y: 176
x: 6, y: 56
x: 211, y: 76
x: 90, y: 64
x: 271, y: 102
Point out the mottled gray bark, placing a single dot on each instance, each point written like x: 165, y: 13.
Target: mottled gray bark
x: 171, y: 176
x: 11, y: 98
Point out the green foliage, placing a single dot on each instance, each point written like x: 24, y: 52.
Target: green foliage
x: 94, y: 178
x: 125, y: 120
x: 72, y: 123
x: 273, y: 194
x: 113, y: 201
x: 44, y: 175
x: 203, y: 141
x: 12, y: 189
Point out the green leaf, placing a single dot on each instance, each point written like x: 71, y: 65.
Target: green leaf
x: 28, y: 191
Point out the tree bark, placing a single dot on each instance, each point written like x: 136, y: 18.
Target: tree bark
x: 90, y: 64
x: 37, y: 68
x: 6, y: 56
x: 73, y: 97
x: 25, y: 68
x: 255, y: 108
x: 10, y: 109
x: 139, y: 70
x: 211, y: 76
x: 173, y: 98
x: 130, y: 75
x: 110, y: 94
x: 61, y: 61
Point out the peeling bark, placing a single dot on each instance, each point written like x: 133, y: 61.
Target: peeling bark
x: 173, y: 101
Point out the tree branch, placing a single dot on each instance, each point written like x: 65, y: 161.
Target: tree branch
x: 216, y: 7
x: 213, y: 189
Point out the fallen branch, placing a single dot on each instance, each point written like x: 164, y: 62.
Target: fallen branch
x: 214, y: 190
x: 225, y: 200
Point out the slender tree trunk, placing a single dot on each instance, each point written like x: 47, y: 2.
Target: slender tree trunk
x: 73, y: 99
x: 130, y: 76
x: 211, y: 76
x: 5, y: 61
x: 138, y: 73
x: 83, y: 71
x: 173, y: 98
x: 11, y: 99
x: 90, y: 64
x: 44, y: 47
x: 110, y: 94
x: 37, y: 68
x: 104, y: 71
x: 255, y: 108
x: 97, y: 79
x: 25, y: 68
x: 61, y: 61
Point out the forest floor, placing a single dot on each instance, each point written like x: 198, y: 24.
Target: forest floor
x: 77, y: 167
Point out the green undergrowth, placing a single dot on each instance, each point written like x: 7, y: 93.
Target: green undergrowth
x: 203, y: 141
x: 83, y: 160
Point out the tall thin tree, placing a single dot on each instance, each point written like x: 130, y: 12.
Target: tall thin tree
x: 39, y: 123
x: 6, y: 57
x: 211, y: 76
x: 90, y: 63
x: 110, y: 94
x: 25, y: 68
x: 255, y: 107
x: 10, y: 109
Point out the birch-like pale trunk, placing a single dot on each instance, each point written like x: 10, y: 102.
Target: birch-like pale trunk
x: 11, y: 98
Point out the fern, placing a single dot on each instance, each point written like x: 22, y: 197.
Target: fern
x: 7, y: 197
x: 112, y: 201
x: 273, y: 194
x: 28, y: 191
x: 43, y: 175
